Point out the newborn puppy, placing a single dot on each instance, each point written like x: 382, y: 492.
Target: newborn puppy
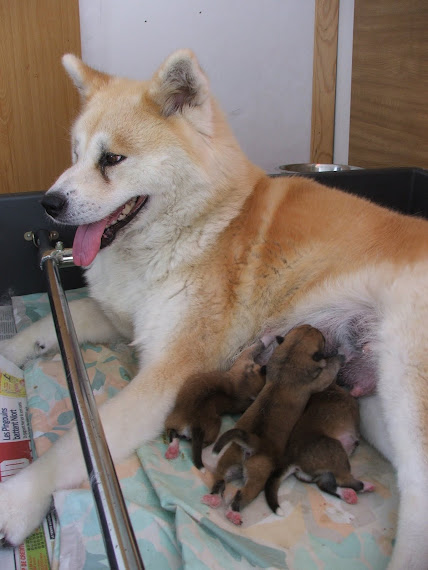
x: 205, y: 397
x: 319, y: 446
x: 296, y: 370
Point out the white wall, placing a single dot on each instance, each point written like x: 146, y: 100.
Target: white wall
x: 258, y: 55
x: 343, y: 81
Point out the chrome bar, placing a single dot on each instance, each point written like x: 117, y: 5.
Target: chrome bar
x: 119, y: 539
x: 63, y: 256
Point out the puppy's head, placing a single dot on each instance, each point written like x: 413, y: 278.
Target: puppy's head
x: 299, y: 357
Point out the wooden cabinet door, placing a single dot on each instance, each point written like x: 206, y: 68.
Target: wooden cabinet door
x: 37, y: 99
x: 389, y: 93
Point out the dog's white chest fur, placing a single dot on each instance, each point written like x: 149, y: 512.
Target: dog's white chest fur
x: 145, y: 305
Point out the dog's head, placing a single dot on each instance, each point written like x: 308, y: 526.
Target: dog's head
x: 299, y: 356
x: 140, y: 149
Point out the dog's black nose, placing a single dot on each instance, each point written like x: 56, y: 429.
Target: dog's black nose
x: 54, y: 204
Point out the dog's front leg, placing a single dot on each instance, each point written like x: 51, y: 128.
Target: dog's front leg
x: 133, y: 416
x: 90, y: 322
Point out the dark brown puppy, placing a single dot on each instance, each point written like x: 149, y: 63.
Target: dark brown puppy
x: 205, y: 397
x: 319, y: 446
x: 297, y: 369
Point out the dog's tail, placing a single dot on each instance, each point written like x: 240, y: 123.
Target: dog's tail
x: 272, y: 487
x: 198, y: 436
x: 249, y: 442
x: 273, y: 483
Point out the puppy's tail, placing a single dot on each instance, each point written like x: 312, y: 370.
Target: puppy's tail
x: 271, y: 489
x: 273, y: 484
x: 249, y: 442
x: 198, y: 436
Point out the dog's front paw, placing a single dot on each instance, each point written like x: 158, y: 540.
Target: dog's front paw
x: 29, y: 343
x: 21, y: 510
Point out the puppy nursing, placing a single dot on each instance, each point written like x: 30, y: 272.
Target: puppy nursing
x: 319, y: 446
x: 205, y: 397
x: 296, y: 370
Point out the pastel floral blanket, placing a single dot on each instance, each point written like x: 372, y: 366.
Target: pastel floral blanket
x: 174, y: 529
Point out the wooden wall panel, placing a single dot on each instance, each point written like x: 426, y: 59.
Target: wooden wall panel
x: 324, y: 80
x: 37, y: 99
x: 389, y: 93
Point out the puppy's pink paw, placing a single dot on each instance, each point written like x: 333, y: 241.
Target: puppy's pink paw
x: 173, y: 450
x: 213, y: 501
x: 234, y: 517
x: 348, y: 495
x: 368, y: 487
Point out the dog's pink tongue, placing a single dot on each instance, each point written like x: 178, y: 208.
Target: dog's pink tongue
x: 87, y: 242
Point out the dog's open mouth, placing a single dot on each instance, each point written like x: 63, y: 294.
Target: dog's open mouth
x: 121, y: 218
x: 90, y: 238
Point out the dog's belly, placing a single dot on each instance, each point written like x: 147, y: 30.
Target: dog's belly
x: 359, y: 374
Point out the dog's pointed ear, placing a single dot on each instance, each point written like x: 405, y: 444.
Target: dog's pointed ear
x: 86, y: 79
x: 179, y: 84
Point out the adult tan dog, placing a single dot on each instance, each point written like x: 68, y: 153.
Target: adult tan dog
x: 203, y: 253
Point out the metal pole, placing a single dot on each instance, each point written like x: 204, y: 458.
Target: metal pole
x: 119, y: 539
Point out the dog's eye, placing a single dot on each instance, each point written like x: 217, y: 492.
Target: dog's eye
x: 110, y: 159
x: 317, y: 356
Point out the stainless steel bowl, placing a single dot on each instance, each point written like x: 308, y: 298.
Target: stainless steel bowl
x: 313, y: 167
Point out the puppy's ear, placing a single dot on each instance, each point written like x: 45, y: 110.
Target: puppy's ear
x: 86, y: 79
x: 279, y: 339
x: 179, y: 85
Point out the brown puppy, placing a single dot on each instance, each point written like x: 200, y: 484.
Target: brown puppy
x: 205, y: 397
x: 319, y: 446
x: 297, y: 369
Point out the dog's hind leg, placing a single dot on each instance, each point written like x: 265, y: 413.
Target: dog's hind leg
x: 215, y: 498
x: 257, y: 470
x: 229, y: 467
x: 90, y: 322
x: 346, y: 488
x: 135, y: 415
x: 327, y: 482
x: 173, y: 449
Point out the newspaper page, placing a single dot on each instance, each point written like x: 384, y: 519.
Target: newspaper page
x: 15, y: 454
